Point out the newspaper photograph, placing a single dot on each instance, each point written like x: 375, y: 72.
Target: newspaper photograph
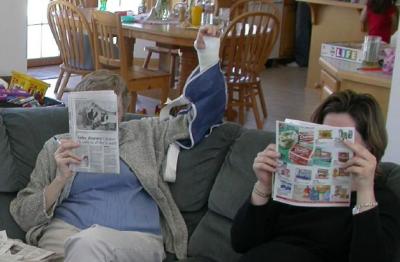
x: 310, y: 171
x: 15, y: 250
x: 93, y: 122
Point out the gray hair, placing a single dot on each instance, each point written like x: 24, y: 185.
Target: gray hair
x: 105, y: 80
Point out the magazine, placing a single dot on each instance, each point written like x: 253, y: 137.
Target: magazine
x: 15, y: 250
x: 93, y: 122
x: 310, y: 171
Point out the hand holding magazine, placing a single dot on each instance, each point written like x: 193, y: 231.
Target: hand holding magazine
x: 310, y: 171
x: 93, y: 123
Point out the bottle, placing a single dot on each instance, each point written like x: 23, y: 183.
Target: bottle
x: 208, y: 13
x: 181, y: 13
x: 164, y: 11
x: 103, y: 5
x: 191, y: 4
x: 197, y: 12
x: 142, y: 7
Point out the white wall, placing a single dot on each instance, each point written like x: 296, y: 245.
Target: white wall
x: 393, y: 120
x: 13, y: 20
x: 140, y: 44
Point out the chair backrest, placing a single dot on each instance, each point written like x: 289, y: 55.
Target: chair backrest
x: 244, y: 6
x: 109, y: 42
x: 72, y: 34
x: 246, y: 45
x: 80, y: 3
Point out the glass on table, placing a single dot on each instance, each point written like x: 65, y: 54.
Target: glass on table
x: 208, y: 13
x: 371, y: 48
x: 197, y: 10
x: 224, y: 17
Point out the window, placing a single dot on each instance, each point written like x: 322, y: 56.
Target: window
x: 41, y: 43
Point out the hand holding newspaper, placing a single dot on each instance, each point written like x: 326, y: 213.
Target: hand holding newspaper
x: 310, y: 171
x: 15, y: 250
x: 93, y: 123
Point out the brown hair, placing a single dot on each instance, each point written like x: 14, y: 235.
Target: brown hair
x: 366, y: 114
x: 105, y: 80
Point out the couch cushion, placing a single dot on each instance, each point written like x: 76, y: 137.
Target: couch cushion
x: 236, y: 177
x: 198, y: 167
x: 7, y: 181
x: 392, y: 175
x: 6, y: 221
x: 27, y: 130
x: 211, y: 239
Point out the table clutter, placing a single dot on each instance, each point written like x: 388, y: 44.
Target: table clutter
x: 25, y: 91
x: 372, y: 55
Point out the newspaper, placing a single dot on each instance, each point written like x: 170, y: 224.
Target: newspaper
x: 93, y: 122
x: 310, y: 170
x: 15, y: 250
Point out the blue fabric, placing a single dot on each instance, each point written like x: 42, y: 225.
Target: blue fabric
x: 115, y: 201
x: 206, y: 92
x: 87, y: 56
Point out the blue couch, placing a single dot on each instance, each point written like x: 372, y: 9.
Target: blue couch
x: 213, y: 179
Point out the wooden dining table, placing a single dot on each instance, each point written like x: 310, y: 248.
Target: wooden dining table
x: 166, y: 34
x: 172, y: 36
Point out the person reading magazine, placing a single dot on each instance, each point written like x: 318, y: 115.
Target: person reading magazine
x: 131, y: 216
x: 367, y: 230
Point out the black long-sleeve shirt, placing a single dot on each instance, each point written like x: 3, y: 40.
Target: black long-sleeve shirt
x: 330, y: 234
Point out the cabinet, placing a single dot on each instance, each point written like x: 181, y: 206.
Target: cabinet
x: 328, y: 85
x: 337, y: 75
x: 332, y: 21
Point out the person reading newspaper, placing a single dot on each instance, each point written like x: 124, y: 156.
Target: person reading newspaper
x: 367, y: 230
x: 130, y: 216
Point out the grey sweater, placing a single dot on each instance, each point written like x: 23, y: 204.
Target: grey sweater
x: 143, y: 146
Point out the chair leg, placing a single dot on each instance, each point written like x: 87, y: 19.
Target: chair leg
x: 164, y: 94
x: 132, y: 105
x: 230, y: 114
x: 241, y: 102
x: 172, y: 71
x: 63, y: 86
x: 262, y: 101
x: 147, y: 60
x: 259, y: 122
x: 247, y: 99
x: 60, y: 77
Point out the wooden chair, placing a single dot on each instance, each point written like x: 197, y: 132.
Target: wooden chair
x: 171, y: 53
x: 73, y: 36
x: 246, y: 44
x: 78, y: 3
x: 108, y: 33
x: 244, y: 6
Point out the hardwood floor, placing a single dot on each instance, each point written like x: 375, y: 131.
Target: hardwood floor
x: 284, y: 91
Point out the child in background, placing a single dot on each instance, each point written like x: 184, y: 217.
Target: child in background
x: 380, y: 17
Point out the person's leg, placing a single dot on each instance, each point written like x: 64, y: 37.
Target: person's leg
x: 100, y: 244
x: 54, y: 237
x: 278, y: 252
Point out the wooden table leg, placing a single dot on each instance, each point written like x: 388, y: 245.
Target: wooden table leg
x: 188, y: 62
x: 164, y: 59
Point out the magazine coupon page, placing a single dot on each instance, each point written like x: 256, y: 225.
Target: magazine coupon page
x: 93, y: 122
x: 310, y: 171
